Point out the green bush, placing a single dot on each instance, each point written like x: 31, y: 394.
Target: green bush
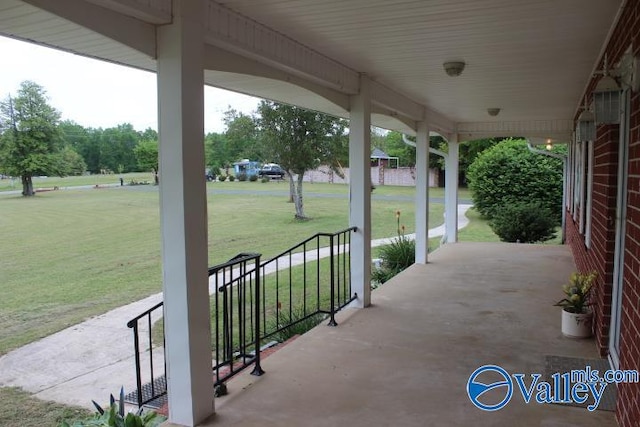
x: 397, y: 256
x: 232, y: 178
x: 242, y: 177
x: 527, y: 222
x: 222, y: 178
x: 264, y: 179
x: 253, y: 178
x: 116, y: 416
x: 509, y: 173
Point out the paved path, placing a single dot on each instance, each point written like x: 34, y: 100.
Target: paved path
x: 95, y: 358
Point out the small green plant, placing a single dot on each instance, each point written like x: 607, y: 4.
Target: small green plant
x: 253, y: 178
x: 222, y: 178
x: 242, y: 177
x: 525, y: 222
x: 264, y: 179
x: 577, y: 292
x: 298, y: 323
x: 115, y: 416
x: 397, y: 256
x: 232, y: 178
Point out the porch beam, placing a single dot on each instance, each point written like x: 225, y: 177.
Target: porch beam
x: 183, y: 215
x: 129, y: 31
x: 451, y: 191
x: 560, y: 130
x: 230, y: 30
x: 422, y: 193
x: 360, y: 192
x: 153, y: 11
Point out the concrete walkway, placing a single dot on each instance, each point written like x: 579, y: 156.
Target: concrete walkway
x: 95, y: 358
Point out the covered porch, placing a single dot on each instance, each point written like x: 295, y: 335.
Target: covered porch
x: 407, y: 359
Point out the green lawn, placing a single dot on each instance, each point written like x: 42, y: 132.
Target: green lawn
x: 69, y: 255
x: 69, y: 181
x: 20, y: 409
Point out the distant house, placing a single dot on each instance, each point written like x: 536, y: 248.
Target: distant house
x: 380, y: 158
x: 246, y: 166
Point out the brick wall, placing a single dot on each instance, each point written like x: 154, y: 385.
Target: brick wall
x: 629, y: 394
x: 600, y: 255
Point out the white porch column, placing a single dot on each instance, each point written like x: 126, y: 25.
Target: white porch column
x: 451, y: 191
x: 360, y: 193
x: 422, y: 193
x: 183, y: 214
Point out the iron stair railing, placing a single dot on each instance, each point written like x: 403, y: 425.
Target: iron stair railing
x: 248, y: 294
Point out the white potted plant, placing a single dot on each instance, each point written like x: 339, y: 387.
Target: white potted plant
x: 577, y: 317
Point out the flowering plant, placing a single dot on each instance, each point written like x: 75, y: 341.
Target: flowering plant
x: 577, y: 292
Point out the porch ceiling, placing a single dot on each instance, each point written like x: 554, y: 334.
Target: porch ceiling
x: 531, y: 59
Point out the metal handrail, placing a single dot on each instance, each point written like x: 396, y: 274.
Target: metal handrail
x: 240, y: 305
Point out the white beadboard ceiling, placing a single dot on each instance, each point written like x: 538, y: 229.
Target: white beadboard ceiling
x: 532, y: 59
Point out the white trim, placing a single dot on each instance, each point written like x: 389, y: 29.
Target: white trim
x: 589, y: 203
x: 621, y: 218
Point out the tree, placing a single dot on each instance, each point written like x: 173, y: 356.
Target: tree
x: 300, y: 140
x: 30, y: 135
x: 214, y: 152
x: 68, y: 162
x: 508, y: 173
x: 241, y: 137
x: 147, y: 154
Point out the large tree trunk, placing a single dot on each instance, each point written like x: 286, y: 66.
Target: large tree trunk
x: 292, y: 188
x: 27, y: 186
x: 298, y: 199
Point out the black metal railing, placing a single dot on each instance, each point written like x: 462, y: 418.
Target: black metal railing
x: 252, y: 303
x: 144, y: 345
x: 310, y: 279
x: 235, y: 316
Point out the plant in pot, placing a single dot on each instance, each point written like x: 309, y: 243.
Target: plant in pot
x: 576, y: 314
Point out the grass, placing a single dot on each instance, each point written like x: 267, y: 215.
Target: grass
x: 19, y: 408
x: 69, y: 181
x: 70, y: 255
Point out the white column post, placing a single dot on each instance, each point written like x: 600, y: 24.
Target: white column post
x: 451, y: 191
x: 422, y: 193
x: 360, y: 193
x: 183, y: 214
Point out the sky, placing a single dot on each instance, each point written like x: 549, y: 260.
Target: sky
x: 96, y: 94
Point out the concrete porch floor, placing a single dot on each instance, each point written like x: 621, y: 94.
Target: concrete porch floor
x: 406, y: 360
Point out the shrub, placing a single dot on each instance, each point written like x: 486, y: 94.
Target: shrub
x: 232, y: 178
x: 527, y: 222
x: 222, y: 178
x: 115, y: 416
x: 242, y: 177
x: 397, y: 256
x: 253, y: 178
x: 264, y: 179
x: 509, y: 173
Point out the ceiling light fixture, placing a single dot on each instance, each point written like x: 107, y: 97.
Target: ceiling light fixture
x: 454, y: 68
x: 493, y: 111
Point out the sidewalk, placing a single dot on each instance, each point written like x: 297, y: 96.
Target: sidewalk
x: 94, y: 358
